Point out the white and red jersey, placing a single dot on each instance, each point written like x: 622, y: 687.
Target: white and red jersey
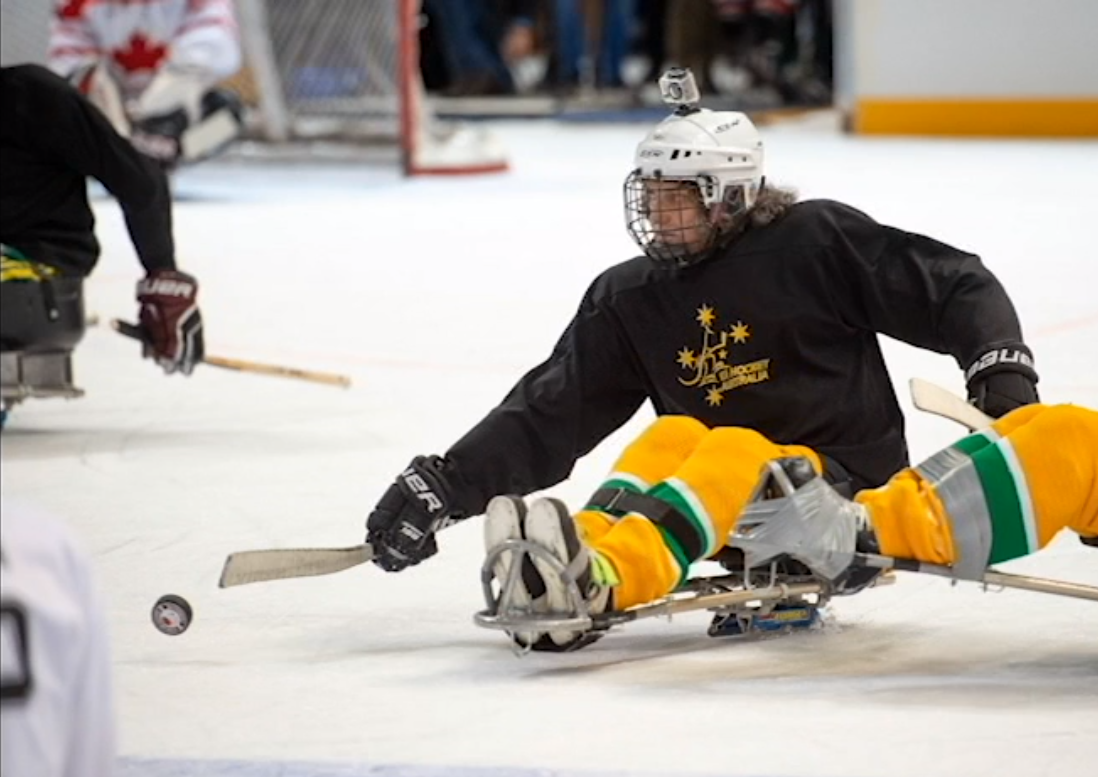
x: 57, y: 709
x: 139, y: 37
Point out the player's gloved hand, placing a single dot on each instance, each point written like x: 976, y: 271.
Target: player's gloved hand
x: 1002, y: 379
x: 796, y: 513
x: 402, y: 527
x: 170, y: 321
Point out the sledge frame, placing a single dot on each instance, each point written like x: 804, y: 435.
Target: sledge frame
x: 36, y: 375
x: 744, y: 596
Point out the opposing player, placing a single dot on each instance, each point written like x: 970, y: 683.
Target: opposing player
x: 152, y: 68
x: 57, y: 709
x: 52, y: 139
x: 749, y: 311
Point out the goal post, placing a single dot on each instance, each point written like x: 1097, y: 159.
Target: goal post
x: 348, y: 70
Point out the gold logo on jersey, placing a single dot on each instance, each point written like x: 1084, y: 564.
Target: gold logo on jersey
x: 710, y: 367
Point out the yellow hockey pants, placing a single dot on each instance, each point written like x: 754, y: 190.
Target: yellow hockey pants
x: 992, y: 496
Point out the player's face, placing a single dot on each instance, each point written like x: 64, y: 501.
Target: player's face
x: 676, y: 213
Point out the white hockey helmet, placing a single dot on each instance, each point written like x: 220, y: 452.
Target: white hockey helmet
x: 719, y: 154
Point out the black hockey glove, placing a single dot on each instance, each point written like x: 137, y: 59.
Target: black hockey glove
x: 402, y: 527
x: 1002, y: 379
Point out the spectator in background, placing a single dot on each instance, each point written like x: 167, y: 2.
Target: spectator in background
x: 477, y: 41
x: 590, y: 41
x: 694, y: 37
x: 520, y: 19
x: 151, y: 67
x: 652, y: 40
x: 760, y: 37
x: 821, y: 75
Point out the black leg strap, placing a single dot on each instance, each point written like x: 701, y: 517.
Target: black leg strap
x: 659, y: 512
x: 838, y: 477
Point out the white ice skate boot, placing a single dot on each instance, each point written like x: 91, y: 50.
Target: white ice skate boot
x: 503, y: 521
x: 550, y: 525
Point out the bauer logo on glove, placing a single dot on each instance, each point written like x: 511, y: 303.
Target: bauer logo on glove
x: 171, y: 323
x: 418, y: 486
x: 1016, y: 355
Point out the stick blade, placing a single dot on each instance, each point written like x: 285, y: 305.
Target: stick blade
x: 931, y: 398
x: 257, y: 566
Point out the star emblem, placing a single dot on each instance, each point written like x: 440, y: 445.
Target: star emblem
x: 706, y: 316
x: 687, y: 358
x: 740, y: 332
x: 714, y: 397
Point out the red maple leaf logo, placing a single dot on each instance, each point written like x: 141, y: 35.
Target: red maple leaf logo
x: 139, y: 55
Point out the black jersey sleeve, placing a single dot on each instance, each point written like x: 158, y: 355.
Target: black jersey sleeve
x: 555, y: 414
x: 917, y: 289
x: 72, y: 131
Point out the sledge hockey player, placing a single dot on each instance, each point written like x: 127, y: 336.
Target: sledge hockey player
x: 749, y: 311
x: 56, y: 705
x: 152, y: 68
x: 52, y: 139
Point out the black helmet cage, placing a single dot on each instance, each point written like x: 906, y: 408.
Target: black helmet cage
x: 668, y: 245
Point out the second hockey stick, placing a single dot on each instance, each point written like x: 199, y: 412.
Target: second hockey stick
x: 240, y: 365
x: 990, y: 577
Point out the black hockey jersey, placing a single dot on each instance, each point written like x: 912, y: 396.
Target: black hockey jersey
x: 778, y: 334
x: 51, y: 140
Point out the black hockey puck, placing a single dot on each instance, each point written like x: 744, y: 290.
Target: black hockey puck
x: 172, y: 614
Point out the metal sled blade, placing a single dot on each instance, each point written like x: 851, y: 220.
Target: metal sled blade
x: 674, y: 604
x: 727, y: 592
x: 257, y: 566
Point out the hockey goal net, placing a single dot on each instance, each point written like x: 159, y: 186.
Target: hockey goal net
x: 348, y: 71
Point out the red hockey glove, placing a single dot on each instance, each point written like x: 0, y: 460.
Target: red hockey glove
x: 170, y: 321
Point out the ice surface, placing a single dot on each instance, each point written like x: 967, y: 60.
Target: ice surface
x: 435, y: 296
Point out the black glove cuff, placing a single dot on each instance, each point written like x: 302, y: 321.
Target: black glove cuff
x: 1005, y: 357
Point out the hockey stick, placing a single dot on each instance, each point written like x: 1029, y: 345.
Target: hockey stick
x: 931, y: 398
x: 134, y: 333
x: 991, y: 577
x: 257, y: 566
